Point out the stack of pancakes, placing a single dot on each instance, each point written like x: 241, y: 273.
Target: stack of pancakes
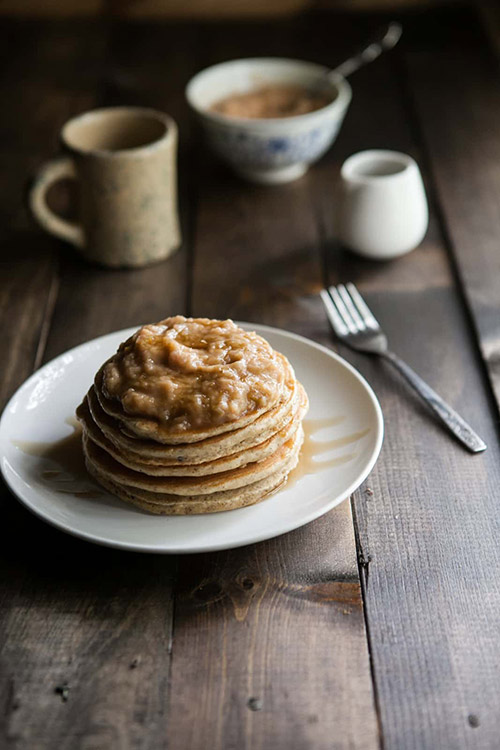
x: 168, y: 462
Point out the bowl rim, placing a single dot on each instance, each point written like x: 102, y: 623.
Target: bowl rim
x: 337, y: 106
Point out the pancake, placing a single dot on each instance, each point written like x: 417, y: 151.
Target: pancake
x: 185, y: 379
x: 151, y: 453
x: 149, y: 429
x: 234, y: 460
x: 193, y: 415
x: 227, y: 480
x: 169, y: 504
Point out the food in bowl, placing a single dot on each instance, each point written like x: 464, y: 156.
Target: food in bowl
x: 271, y: 101
x: 266, y: 149
x: 193, y: 415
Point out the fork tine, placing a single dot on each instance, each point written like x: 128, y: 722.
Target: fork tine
x: 342, y: 309
x: 368, y: 318
x: 346, y: 297
x: 336, y: 321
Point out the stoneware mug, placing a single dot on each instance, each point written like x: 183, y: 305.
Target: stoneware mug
x: 124, y: 159
x: 382, y: 207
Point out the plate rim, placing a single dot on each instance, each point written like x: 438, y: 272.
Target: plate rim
x: 148, y: 549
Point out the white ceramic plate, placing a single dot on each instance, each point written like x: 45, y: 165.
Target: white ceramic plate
x: 37, y: 417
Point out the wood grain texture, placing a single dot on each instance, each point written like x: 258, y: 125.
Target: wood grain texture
x: 431, y: 591
x: 28, y: 128
x: 269, y: 641
x: 97, y: 621
x: 269, y: 646
x: 27, y: 289
x: 426, y: 518
x: 299, y: 651
x: 28, y: 279
x: 464, y: 149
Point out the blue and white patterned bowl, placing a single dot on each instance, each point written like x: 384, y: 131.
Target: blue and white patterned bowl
x: 269, y: 150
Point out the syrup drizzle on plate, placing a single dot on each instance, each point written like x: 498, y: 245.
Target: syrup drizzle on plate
x: 69, y: 472
x: 312, y: 448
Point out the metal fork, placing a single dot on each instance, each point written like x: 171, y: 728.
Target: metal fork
x: 355, y: 325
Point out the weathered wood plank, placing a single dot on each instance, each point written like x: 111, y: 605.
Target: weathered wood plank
x: 269, y: 646
x: 29, y: 267
x: 269, y: 641
x: 28, y: 132
x: 92, y: 620
x: 96, y: 619
x: 428, y: 530
x: 27, y: 289
x: 464, y: 149
x: 286, y: 647
x: 273, y: 613
x: 426, y: 519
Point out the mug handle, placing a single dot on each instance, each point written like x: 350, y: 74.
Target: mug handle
x: 54, y: 170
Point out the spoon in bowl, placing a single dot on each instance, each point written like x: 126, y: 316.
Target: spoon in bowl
x: 388, y: 40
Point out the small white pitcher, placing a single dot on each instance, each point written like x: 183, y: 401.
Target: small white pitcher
x: 383, y: 209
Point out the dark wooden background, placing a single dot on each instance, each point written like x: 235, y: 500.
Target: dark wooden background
x: 372, y: 629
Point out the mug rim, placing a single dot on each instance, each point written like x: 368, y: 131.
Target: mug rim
x: 349, y: 166
x: 166, y: 120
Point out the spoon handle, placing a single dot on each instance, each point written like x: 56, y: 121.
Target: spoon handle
x: 389, y: 40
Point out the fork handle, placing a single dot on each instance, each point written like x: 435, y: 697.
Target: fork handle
x: 453, y: 421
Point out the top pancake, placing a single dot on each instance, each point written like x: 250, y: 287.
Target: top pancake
x: 187, y: 379
x: 148, y: 429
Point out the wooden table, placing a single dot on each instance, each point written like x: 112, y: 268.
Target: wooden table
x: 376, y: 626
